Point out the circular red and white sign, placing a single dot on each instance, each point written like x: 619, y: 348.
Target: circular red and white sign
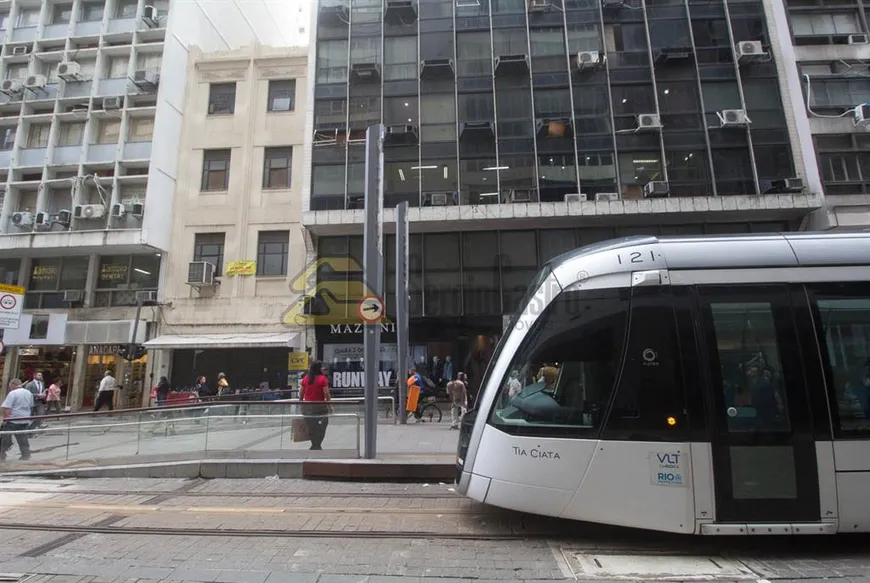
x: 8, y: 302
x: 371, y: 309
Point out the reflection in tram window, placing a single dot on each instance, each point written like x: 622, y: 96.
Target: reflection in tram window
x: 751, y: 366
x: 565, y: 369
x: 844, y: 323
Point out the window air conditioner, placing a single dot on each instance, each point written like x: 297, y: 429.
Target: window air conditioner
x: 118, y: 211
x: 112, y: 103
x: 649, y: 121
x: 655, y: 189
x: 589, y: 59
x: 11, y: 86
x: 862, y: 115
x: 439, y: 199
x: 73, y: 295
x: 22, y: 219
x: 200, y: 273
x: 733, y: 117
x: 64, y: 217
x: 145, y: 79
x: 136, y: 209
x: 69, y: 71
x: 608, y: 196
x: 857, y: 39
x: 575, y: 197
x: 43, y: 219
x: 146, y: 296
x: 150, y: 16
x: 400, y: 130
x: 792, y: 185
x: 89, y: 211
x: 35, y: 82
x: 20, y: 50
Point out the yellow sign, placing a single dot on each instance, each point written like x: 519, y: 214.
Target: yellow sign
x: 241, y: 268
x: 297, y: 361
x: 11, y: 289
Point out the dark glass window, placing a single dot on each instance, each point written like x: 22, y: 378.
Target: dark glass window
x: 121, y: 276
x: 49, y: 278
x: 400, y: 58
x: 332, y: 61
x: 9, y: 270
x: 216, y: 169
x: 400, y: 110
x: 473, y: 54
x: 282, y: 95
x: 209, y: 247
x: 519, y: 264
x: 277, y: 167
x: 222, y: 98
x: 442, y: 277
x: 273, y: 249
x: 481, y: 281
x: 437, y: 117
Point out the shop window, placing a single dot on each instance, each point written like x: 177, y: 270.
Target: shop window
x: 121, y: 276
x: 216, y: 170
x: 49, y: 278
x: 277, y: 165
x: 210, y: 247
x: 273, y: 248
x: 221, y: 98
x: 282, y: 95
x: 9, y: 270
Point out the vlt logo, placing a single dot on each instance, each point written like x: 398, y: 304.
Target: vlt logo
x: 666, y: 469
x: 669, y: 459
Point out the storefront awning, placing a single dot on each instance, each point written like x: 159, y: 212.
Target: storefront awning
x: 173, y: 341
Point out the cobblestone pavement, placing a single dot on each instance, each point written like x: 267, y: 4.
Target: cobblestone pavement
x: 276, y: 531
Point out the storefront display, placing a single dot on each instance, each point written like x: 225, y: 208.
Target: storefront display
x: 130, y: 377
x: 55, y: 363
x: 345, y: 363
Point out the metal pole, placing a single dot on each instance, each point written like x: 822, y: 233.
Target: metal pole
x: 127, y: 373
x: 373, y: 276
x: 402, y: 329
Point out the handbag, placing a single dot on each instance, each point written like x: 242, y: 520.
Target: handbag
x: 299, y: 430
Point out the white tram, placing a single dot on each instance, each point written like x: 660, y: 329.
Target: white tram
x: 710, y: 385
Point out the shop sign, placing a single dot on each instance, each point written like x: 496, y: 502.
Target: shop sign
x: 104, y: 349
x: 11, y: 302
x: 389, y: 327
x: 241, y: 268
x: 111, y: 273
x: 297, y: 361
x: 346, y: 364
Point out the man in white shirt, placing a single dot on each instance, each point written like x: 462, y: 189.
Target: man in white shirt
x: 17, y: 405
x: 106, y: 393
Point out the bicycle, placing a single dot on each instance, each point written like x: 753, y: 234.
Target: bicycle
x: 430, y: 411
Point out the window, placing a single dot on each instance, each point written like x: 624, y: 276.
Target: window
x: 28, y: 17
x: 9, y: 270
x: 49, y: 278
x: 121, y: 276
x: 92, y: 11
x: 216, y: 169
x: 149, y: 61
x: 108, y: 131
x: 273, y: 248
x: 61, y: 13
x: 825, y: 24
x: 562, y: 376
x: 222, y: 98
x: 117, y: 67
x: 332, y: 61
x: 8, y: 137
x: 842, y: 313
x: 277, y: 165
x: 209, y: 247
x: 16, y: 71
x: 437, y: 117
x: 282, y: 95
x: 400, y: 58
x: 126, y: 9
x: 839, y: 92
x: 140, y: 129
x: 37, y: 136
x: 70, y: 133
x: 50, y: 71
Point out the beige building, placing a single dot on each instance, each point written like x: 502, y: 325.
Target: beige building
x: 237, y: 240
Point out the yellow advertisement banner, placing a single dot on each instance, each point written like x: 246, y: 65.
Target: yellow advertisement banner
x: 297, y: 361
x: 11, y: 289
x: 241, y: 268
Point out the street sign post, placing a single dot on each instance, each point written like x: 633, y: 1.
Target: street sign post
x: 11, y: 303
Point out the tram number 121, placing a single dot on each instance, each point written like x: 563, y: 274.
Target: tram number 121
x: 636, y: 257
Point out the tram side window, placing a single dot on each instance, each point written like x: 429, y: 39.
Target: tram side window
x: 842, y: 313
x: 561, y: 378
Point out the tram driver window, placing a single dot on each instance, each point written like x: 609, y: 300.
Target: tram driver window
x: 564, y: 371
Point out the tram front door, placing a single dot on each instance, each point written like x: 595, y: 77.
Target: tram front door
x: 764, y: 459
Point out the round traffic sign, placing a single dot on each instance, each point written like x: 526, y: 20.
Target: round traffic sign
x: 8, y: 302
x: 370, y: 309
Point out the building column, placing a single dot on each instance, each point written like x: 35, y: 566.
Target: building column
x: 78, y: 386
x: 10, y: 365
x: 91, y: 282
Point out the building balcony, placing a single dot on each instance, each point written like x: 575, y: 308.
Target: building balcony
x: 112, y: 86
x: 5, y: 158
x: 32, y: 157
x: 77, y: 89
x: 24, y: 34
x: 121, y: 241
x: 66, y: 155
x: 88, y: 28
x: 102, y: 152
x: 675, y: 210
x: 137, y: 150
x: 122, y: 25
x: 55, y: 31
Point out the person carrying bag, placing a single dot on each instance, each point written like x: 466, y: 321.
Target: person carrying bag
x: 315, y: 394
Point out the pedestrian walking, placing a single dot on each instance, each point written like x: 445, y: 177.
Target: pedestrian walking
x: 17, y: 405
x: 315, y: 395
x: 37, y: 388
x: 52, y: 397
x: 458, y: 402
x: 106, y: 392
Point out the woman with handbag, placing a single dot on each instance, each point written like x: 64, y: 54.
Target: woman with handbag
x: 315, y: 394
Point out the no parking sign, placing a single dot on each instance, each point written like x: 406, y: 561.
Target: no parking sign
x: 11, y: 302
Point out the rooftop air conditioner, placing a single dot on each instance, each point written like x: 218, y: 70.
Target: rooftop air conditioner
x: 22, y: 219
x: 43, y: 219
x: 857, y: 39
x: 150, y: 16
x: 137, y: 209
x: 10, y: 86
x: 89, y: 211
x: 20, y: 50
x: 63, y: 217
x: 146, y: 296
x: 69, y: 71
x: 649, y: 121
x: 35, y: 82
x: 110, y: 103
x: 575, y: 197
x: 862, y: 115
x: 749, y: 48
x: 73, y: 295
x: 655, y: 189
x: 589, y: 59
x: 607, y: 196
x: 733, y: 117
x: 118, y: 211
x: 200, y: 273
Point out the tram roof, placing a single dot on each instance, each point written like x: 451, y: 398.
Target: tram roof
x: 735, y: 251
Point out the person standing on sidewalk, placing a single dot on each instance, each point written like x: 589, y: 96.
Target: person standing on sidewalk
x: 52, y: 397
x: 38, y: 390
x: 17, y: 405
x: 315, y: 394
x: 106, y: 392
x: 458, y: 402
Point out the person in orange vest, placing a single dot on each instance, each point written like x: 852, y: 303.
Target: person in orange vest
x: 415, y: 386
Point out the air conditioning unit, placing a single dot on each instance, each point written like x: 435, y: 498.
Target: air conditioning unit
x: 137, y: 209
x: 790, y: 185
x: 857, y: 39
x: 733, y: 117
x: 607, y: 196
x: 20, y: 50
x: 439, y: 199
x: 655, y: 189
x: 89, y: 211
x: 400, y: 130
x: 11, y: 86
x: 649, y: 121
x: 520, y: 195
x: 151, y: 17
x: 35, y: 82
x: 112, y: 103
x: 612, y: 3
x: 862, y: 115
x: 63, y: 217
x: 69, y: 71
x: 118, y: 211
x: 22, y: 219
x: 146, y: 296
x: 145, y: 78
x: 73, y: 295
x: 539, y: 5
x: 43, y: 219
x: 200, y: 273
x: 587, y: 59
x: 749, y: 49
x: 575, y: 197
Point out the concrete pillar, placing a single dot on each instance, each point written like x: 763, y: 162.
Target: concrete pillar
x: 10, y: 365
x: 78, y: 385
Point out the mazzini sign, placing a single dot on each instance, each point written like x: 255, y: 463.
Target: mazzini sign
x: 358, y: 328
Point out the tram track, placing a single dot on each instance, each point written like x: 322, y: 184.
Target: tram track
x: 213, y: 494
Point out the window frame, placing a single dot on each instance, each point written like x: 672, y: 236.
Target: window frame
x: 128, y: 288
x: 277, y: 88
x: 198, y: 246
x: 277, y: 153
x: 40, y: 294
x: 222, y: 98
x: 212, y: 156
x: 282, y: 238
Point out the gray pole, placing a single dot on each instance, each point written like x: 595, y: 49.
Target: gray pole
x: 402, y: 329
x: 373, y: 277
